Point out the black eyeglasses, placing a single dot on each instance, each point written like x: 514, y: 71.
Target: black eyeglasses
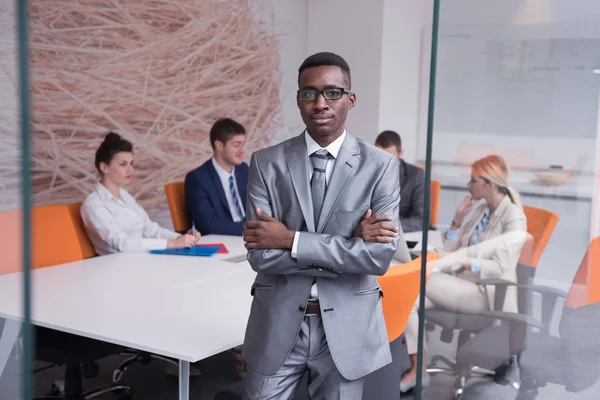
x: 328, y: 94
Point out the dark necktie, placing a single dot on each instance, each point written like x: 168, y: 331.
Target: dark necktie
x: 318, y: 183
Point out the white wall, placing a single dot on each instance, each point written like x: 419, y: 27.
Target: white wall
x: 401, y: 72
x: 290, y: 23
x: 352, y: 29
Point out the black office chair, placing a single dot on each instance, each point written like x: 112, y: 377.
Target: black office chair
x: 72, y: 351
x: 571, y: 360
x: 469, y: 325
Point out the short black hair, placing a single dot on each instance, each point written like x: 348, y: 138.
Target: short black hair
x: 326, y: 58
x: 112, y: 144
x: 224, y: 129
x: 389, y: 138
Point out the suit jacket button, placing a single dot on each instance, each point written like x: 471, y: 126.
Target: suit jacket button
x: 301, y: 308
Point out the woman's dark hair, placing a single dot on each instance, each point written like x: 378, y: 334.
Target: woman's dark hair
x: 112, y: 144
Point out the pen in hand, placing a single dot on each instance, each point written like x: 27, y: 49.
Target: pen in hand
x: 194, y: 228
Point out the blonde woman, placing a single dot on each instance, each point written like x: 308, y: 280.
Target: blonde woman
x: 487, y: 245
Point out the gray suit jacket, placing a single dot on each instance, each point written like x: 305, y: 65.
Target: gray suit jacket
x: 412, y: 197
x: 345, y: 267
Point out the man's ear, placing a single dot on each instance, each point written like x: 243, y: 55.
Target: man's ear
x: 351, y: 100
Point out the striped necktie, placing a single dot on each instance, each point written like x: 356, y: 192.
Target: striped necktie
x: 235, y: 197
x: 318, y: 184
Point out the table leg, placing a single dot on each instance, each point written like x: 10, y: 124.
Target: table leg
x: 8, y: 338
x: 184, y: 380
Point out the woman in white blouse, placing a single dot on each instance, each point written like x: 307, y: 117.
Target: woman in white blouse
x: 113, y: 220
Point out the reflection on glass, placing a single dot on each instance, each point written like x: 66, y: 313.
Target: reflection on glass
x: 513, y: 315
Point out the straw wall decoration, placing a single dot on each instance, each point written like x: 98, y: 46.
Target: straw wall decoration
x: 158, y: 72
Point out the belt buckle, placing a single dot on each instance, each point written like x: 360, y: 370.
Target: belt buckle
x: 313, y: 302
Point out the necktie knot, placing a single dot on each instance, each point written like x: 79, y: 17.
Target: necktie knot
x: 319, y: 160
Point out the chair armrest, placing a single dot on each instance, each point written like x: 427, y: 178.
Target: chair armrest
x: 513, y: 318
x: 546, y: 290
x: 495, y: 282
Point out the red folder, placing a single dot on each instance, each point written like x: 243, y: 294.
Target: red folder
x: 221, y: 245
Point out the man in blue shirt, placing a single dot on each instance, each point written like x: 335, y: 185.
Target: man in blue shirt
x: 215, y: 192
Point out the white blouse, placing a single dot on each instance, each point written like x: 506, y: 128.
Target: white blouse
x: 115, y: 225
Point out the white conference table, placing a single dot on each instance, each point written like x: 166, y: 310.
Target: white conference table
x: 187, y: 308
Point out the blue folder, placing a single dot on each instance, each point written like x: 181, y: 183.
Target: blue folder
x: 199, y: 251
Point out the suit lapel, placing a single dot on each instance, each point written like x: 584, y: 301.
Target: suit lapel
x: 402, y: 173
x: 297, y: 162
x: 497, y: 215
x: 347, y: 160
x: 219, y: 187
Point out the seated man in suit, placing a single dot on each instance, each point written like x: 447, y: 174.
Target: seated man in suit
x: 215, y: 192
x: 412, y: 183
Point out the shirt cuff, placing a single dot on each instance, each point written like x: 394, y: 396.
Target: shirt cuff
x: 153, y: 244
x: 295, y: 245
x: 452, y: 235
x: 475, y: 265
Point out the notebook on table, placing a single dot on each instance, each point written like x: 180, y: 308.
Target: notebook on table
x: 198, y: 251
x: 221, y: 245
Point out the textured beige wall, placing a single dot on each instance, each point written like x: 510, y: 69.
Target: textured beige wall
x: 157, y: 72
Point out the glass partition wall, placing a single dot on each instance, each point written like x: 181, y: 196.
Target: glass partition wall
x: 15, y: 328
x: 509, y: 127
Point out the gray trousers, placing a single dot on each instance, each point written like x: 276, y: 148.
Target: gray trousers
x: 310, y: 352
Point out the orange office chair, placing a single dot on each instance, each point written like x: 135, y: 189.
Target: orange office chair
x: 435, y: 189
x: 175, y: 192
x: 53, y: 237
x: 586, y: 284
x: 87, y: 249
x: 11, y: 241
x: 540, y: 225
x: 400, y: 286
x: 55, y: 240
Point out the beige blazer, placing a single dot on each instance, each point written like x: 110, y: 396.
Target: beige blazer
x: 499, y: 250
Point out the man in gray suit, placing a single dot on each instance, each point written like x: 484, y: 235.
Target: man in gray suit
x: 412, y: 183
x: 316, y: 303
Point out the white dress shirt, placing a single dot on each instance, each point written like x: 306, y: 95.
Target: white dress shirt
x: 312, y: 147
x: 114, y: 225
x: 224, y: 177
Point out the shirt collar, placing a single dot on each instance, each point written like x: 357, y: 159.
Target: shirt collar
x: 105, y: 194
x: 333, y: 148
x: 224, y: 175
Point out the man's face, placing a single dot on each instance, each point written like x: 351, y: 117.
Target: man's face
x: 233, y: 150
x: 325, y: 119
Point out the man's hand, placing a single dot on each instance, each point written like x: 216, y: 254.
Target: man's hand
x: 268, y: 233
x: 374, y: 228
